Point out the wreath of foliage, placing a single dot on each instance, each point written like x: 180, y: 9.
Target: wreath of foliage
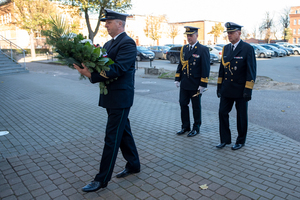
x: 76, y: 49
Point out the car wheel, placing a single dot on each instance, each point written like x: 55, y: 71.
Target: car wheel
x: 296, y: 52
x: 276, y: 54
x: 262, y: 55
x: 138, y: 58
x: 172, y: 59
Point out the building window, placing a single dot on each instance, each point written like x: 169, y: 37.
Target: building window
x: 299, y: 40
x: 299, y: 31
x: 294, y: 32
x: 294, y: 41
x: 299, y: 21
x: 295, y: 22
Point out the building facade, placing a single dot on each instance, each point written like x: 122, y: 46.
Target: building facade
x: 295, y: 24
x: 135, y: 26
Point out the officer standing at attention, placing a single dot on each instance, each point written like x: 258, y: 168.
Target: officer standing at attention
x: 236, y: 79
x: 122, y: 50
x: 192, y: 77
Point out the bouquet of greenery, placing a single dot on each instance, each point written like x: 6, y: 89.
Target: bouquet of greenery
x: 76, y: 49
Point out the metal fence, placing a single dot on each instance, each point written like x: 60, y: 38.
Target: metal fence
x: 12, y: 51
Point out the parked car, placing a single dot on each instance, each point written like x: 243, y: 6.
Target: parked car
x: 261, y: 52
x: 160, y: 51
x: 220, y: 45
x: 216, y: 50
x: 297, y: 45
x: 295, y: 48
x: 172, y: 45
x: 277, y: 52
x: 287, y: 50
x: 174, y: 54
x: 282, y: 43
x: 213, y: 58
x: 144, y: 53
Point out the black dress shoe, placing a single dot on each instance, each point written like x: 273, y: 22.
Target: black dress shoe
x: 93, y: 186
x: 193, y: 133
x: 126, y: 172
x: 222, y: 145
x: 237, y: 146
x: 182, y: 131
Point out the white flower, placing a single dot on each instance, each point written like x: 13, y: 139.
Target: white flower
x: 86, y: 40
x: 72, y: 35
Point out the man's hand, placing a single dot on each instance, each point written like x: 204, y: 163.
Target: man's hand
x: 177, y: 83
x: 201, y: 89
x: 247, y: 97
x: 85, y: 71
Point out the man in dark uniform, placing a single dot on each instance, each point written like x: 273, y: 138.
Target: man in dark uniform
x: 122, y: 50
x: 236, y: 79
x: 192, y: 76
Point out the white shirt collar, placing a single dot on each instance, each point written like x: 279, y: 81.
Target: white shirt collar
x: 235, y: 45
x: 118, y: 35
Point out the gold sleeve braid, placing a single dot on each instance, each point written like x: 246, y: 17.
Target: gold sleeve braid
x: 249, y: 84
x: 220, y: 80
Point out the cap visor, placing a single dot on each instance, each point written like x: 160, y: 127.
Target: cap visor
x: 231, y: 30
x: 189, y: 33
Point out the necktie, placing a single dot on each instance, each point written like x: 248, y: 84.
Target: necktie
x: 232, y: 47
x: 191, y: 48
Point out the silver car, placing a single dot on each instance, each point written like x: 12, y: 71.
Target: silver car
x: 295, y: 48
x: 261, y: 51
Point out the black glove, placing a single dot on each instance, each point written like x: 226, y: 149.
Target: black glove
x: 247, y: 97
x: 219, y: 90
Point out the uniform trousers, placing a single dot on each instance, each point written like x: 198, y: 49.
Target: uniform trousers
x: 241, y: 106
x: 185, y: 97
x: 118, y: 135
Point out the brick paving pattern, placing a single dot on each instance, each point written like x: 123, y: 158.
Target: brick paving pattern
x: 56, y: 139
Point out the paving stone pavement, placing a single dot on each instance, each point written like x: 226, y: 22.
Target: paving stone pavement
x: 55, y: 140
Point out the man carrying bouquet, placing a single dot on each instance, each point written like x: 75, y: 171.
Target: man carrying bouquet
x: 122, y: 50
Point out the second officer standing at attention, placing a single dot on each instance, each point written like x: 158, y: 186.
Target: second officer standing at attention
x: 192, y: 76
x: 236, y: 79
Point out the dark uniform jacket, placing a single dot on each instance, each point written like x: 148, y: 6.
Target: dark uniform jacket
x: 121, y: 91
x: 194, y: 67
x: 237, y: 71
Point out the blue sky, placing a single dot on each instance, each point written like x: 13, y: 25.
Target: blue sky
x: 247, y: 13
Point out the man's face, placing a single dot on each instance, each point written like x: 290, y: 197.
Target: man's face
x: 192, y: 38
x: 234, y: 36
x: 112, y: 27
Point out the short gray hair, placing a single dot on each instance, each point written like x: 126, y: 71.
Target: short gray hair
x: 123, y: 22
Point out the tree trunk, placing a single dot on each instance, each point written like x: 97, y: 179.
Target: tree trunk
x: 32, y: 44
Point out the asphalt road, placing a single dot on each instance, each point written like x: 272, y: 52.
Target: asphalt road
x: 277, y: 110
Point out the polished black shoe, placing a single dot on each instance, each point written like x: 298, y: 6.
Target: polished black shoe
x: 237, y: 146
x: 182, y: 131
x: 93, y: 186
x: 193, y: 133
x: 126, y: 172
x: 221, y: 145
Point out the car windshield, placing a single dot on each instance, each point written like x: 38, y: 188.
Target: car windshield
x: 218, y: 48
x: 142, y: 48
x: 260, y: 47
x: 165, y: 48
x: 267, y: 47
